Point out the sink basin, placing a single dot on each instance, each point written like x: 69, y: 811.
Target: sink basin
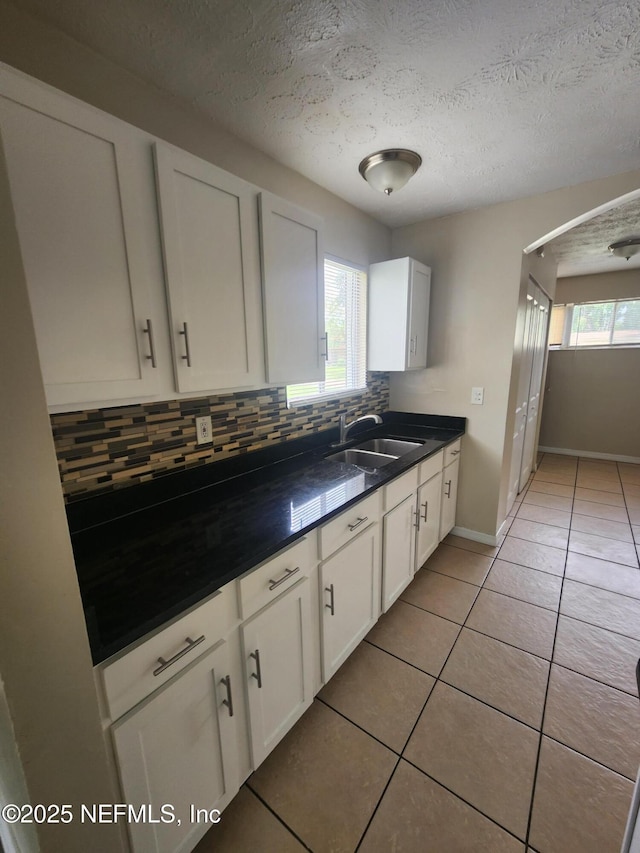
x: 391, y: 446
x: 362, y: 457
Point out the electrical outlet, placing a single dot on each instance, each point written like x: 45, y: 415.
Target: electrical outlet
x: 477, y: 396
x: 203, y: 429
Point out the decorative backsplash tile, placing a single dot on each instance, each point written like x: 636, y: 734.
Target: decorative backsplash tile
x: 104, y: 449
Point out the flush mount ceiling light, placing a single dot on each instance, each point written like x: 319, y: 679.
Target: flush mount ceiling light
x: 390, y: 170
x: 625, y: 248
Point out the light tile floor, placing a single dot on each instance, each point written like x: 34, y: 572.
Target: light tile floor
x: 493, y: 708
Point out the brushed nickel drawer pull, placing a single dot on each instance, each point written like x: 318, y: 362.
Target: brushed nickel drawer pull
x: 287, y: 574
x: 357, y: 523
x: 455, y: 452
x: 187, y: 356
x: 258, y: 673
x: 331, y: 605
x: 325, y: 338
x: 416, y: 522
x: 229, y: 700
x: 148, y: 330
x: 447, y: 494
x: 191, y: 644
x: 425, y: 505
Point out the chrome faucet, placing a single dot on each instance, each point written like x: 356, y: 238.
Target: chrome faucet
x: 345, y: 427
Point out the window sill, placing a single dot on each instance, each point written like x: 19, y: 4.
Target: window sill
x: 323, y: 398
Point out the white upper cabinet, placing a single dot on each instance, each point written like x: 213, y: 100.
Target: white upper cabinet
x: 399, y: 293
x: 293, y: 292
x: 83, y: 198
x: 210, y: 242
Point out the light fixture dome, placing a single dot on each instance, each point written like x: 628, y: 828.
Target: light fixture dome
x: 389, y: 170
x: 625, y: 248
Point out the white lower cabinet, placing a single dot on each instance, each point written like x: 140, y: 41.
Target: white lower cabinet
x: 428, y: 519
x: 350, y: 597
x: 449, y: 497
x: 178, y: 747
x: 278, y: 645
x: 398, y: 546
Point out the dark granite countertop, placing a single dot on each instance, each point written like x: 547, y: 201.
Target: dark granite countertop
x: 146, y: 553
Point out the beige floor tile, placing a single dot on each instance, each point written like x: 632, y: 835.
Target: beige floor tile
x: 559, y: 477
x: 534, y: 556
x: 594, y: 510
x: 417, y: 815
x: 601, y: 607
x: 598, y: 467
x: 440, y: 594
x: 592, y: 651
x: 526, y: 584
x: 603, y: 548
x: 246, y: 826
x: 603, y: 527
x: 634, y: 514
x: 635, y: 529
x: 551, y: 488
x: 543, y: 534
x: 629, y: 472
x: 550, y: 501
x: 328, y: 810
x: 509, y: 679
x: 379, y: 693
x: 579, y: 805
x: 596, y: 720
x: 603, y: 574
x: 545, y: 515
x: 600, y: 497
x: 515, y: 622
x: 458, y: 563
x: 484, y: 756
x: 599, y: 484
x: 470, y: 545
x: 631, y: 490
x: 415, y: 636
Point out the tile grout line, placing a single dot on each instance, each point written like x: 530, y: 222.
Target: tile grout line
x: 546, y: 693
x: 276, y: 815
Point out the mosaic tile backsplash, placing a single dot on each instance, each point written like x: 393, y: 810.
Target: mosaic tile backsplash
x: 103, y: 449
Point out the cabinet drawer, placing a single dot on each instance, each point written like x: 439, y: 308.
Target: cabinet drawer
x: 430, y: 467
x: 346, y: 526
x: 265, y: 583
x: 138, y: 672
x: 451, y: 452
x: 399, y: 489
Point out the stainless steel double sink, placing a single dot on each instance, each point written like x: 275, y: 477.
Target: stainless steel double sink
x: 376, y: 452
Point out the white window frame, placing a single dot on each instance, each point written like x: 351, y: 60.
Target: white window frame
x: 351, y: 389
x: 568, y: 322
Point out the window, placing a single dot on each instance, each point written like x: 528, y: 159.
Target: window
x: 596, y: 324
x: 345, y: 317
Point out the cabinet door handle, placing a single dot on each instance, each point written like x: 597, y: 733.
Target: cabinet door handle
x: 416, y: 516
x: 425, y: 505
x: 148, y: 330
x: 287, y: 574
x: 325, y: 338
x: 357, y: 523
x: 187, y: 356
x: 447, y: 494
x: 258, y: 673
x: 331, y: 604
x: 229, y: 700
x: 191, y: 644
x: 455, y: 452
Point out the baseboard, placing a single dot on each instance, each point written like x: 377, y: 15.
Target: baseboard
x: 586, y: 454
x: 475, y: 536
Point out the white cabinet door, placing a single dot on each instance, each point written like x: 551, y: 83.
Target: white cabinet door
x: 449, y: 497
x: 293, y: 292
x: 398, y: 546
x: 418, y: 315
x: 210, y: 242
x: 278, y: 646
x: 399, y: 292
x: 178, y: 747
x: 428, y: 532
x: 350, y: 596
x: 83, y: 197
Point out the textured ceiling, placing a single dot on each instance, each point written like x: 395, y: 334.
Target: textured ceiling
x: 585, y: 248
x: 501, y: 98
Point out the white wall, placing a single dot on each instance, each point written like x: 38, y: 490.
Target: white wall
x: 476, y: 258
x: 592, y: 404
